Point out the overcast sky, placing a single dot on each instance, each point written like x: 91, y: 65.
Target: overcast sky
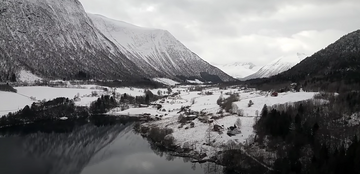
x: 225, y: 31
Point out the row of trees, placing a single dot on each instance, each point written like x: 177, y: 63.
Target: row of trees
x: 44, y: 111
x: 103, y: 104
x: 107, y: 102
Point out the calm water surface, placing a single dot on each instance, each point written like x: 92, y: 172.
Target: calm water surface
x: 91, y: 150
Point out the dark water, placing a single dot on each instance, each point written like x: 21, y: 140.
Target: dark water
x: 91, y: 149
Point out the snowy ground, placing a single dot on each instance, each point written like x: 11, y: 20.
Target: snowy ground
x: 197, y: 101
x: 166, y: 81
x: 196, y: 81
x: 12, y: 102
x: 26, y: 76
x: 197, y: 136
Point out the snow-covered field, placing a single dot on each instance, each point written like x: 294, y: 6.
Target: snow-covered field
x: 196, y: 101
x: 196, y: 137
x: 12, y: 102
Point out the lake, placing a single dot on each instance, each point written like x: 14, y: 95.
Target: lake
x: 90, y: 149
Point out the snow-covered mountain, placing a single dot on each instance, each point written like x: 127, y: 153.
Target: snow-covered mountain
x: 155, y: 51
x: 57, y: 39
x: 239, y: 70
x: 277, y: 66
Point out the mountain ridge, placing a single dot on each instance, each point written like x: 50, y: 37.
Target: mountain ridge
x: 335, y: 68
x: 57, y: 39
x: 277, y: 66
x: 238, y: 70
x: 154, y: 50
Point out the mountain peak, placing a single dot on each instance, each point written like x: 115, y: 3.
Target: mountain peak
x: 155, y: 51
x: 334, y: 68
x: 58, y: 39
x: 119, y: 24
x: 277, y: 66
x: 238, y: 69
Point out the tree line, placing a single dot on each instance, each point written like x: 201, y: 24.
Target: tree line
x: 312, y: 136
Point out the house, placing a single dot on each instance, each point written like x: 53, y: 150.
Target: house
x: 274, y: 94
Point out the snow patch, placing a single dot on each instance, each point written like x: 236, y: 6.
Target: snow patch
x: 196, y: 81
x: 63, y: 118
x: 27, y: 76
x: 166, y: 81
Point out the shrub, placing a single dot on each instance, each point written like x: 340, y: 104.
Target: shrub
x: 159, y: 136
x: 227, y: 104
x: 94, y: 94
x: 168, y: 140
x: 238, y: 123
x: 209, y: 93
x: 250, y: 103
x: 240, y: 112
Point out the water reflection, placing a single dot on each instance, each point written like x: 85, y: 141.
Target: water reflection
x: 91, y: 149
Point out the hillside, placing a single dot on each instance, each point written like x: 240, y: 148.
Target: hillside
x: 155, y: 51
x: 277, y: 66
x: 334, y: 68
x: 57, y: 39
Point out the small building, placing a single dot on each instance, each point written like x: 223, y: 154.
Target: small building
x: 274, y: 94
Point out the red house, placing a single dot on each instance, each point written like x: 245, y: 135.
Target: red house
x: 274, y: 94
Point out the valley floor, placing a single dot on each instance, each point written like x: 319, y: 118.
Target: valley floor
x: 197, y: 137
x: 185, y: 136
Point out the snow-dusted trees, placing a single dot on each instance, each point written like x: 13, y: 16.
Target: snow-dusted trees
x: 235, y: 110
x: 169, y: 90
x: 227, y: 104
x: 250, y: 103
x: 8, y: 70
x: 238, y: 123
x: 220, y: 100
x: 208, y: 135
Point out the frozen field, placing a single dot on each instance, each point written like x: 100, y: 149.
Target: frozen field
x: 12, y: 102
x: 196, y: 137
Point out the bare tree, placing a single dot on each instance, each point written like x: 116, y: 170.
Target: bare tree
x: 238, y: 123
x: 208, y: 135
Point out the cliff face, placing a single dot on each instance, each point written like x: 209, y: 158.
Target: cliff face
x: 57, y: 39
x: 156, y: 51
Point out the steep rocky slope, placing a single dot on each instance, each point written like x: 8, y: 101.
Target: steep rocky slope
x: 155, y: 51
x: 57, y: 39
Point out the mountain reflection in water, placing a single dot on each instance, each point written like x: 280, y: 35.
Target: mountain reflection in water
x: 91, y: 149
